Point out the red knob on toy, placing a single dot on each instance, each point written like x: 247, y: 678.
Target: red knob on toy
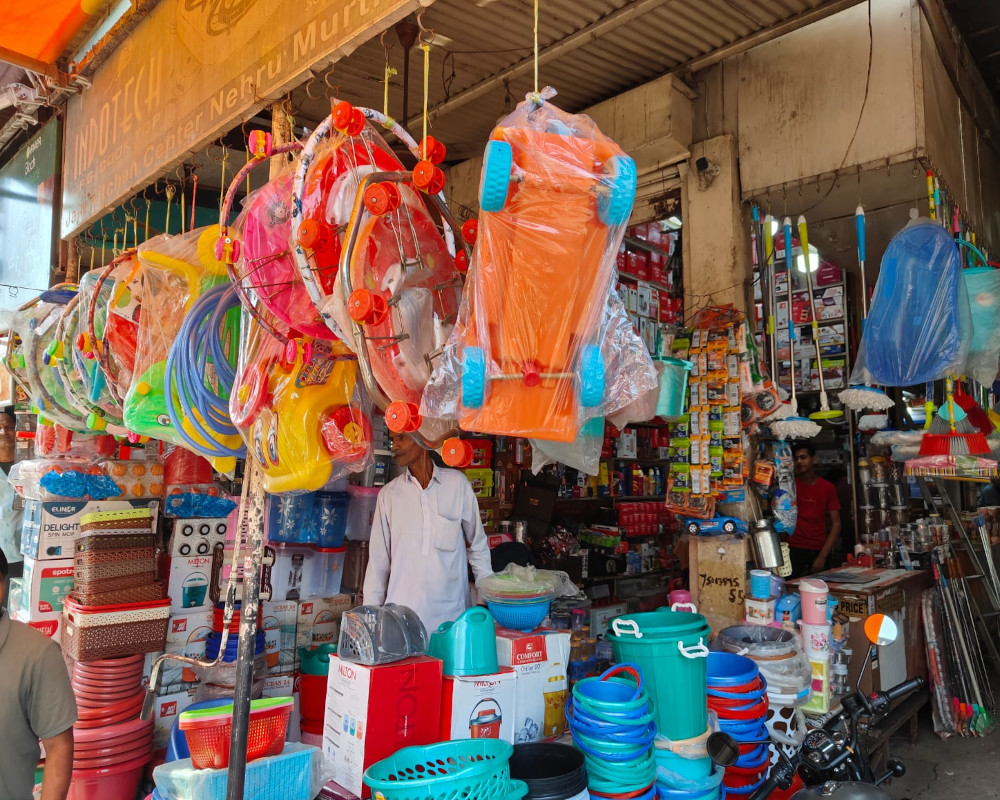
x: 382, y: 198
x: 346, y: 433
x: 342, y: 113
x: 462, y: 262
x: 531, y: 372
x: 457, y: 453
x: 402, y: 417
x: 470, y: 230
x: 357, y: 123
x: 367, y: 308
x: 433, y: 150
x: 312, y: 234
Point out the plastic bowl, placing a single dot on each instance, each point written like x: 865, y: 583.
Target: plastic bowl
x: 119, y: 781
x: 523, y: 617
x: 729, y: 669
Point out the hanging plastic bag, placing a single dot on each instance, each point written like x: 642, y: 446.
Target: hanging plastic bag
x: 526, y: 356
x: 919, y: 325
x: 982, y: 285
x: 783, y: 501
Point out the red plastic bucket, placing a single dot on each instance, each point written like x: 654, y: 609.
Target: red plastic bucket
x: 312, y: 702
x: 120, y: 782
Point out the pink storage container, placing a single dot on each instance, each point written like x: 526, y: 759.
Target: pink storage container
x: 813, y: 592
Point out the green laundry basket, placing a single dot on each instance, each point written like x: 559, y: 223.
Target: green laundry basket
x: 670, y: 647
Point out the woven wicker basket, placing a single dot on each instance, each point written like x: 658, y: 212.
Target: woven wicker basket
x: 112, y: 584
x: 133, y: 594
x: 134, y: 562
x: 97, y: 632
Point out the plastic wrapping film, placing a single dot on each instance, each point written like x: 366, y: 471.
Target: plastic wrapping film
x: 518, y: 580
x: 403, y: 288
x: 919, y: 325
x: 982, y: 286
x: 583, y: 453
x: 36, y: 324
x: 120, y: 333
x: 175, y: 270
x: 266, y: 268
x: 526, y: 356
x: 306, y: 418
x: 59, y: 479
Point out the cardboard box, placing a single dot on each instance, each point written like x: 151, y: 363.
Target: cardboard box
x: 319, y: 620
x: 196, y: 537
x: 479, y: 707
x: 371, y: 712
x: 43, y: 587
x: 188, y: 584
x: 186, y: 635
x: 718, y: 566
x: 49, y: 529
x: 279, y: 619
x: 540, y: 661
x: 285, y: 686
x: 166, y: 707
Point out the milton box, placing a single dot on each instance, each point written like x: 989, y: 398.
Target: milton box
x: 49, y: 529
x: 188, y: 584
x: 371, y: 712
x: 540, y: 660
x: 479, y: 706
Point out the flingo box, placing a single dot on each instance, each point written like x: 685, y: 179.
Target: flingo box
x: 371, y: 712
x: 540, y: 660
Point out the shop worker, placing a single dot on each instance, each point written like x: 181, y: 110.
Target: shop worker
x: 818, y: 525
x: 36, y: 704
x: 425, y: 534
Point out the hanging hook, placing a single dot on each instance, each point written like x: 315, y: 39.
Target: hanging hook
x: 426, y: 35
x: 332, y: 89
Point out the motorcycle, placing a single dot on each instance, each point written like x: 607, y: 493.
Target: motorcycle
x: 830, y: 761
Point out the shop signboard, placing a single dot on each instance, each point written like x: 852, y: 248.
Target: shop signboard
x: 193, y: 69
x: 27, y: 217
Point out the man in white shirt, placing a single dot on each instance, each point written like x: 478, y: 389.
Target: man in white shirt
x: 425, y: 533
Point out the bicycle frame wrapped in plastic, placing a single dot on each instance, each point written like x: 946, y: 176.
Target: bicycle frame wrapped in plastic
x: 919, y: 325
x: 300, y: 410
x: 396, y: 292
x: 530, y: 354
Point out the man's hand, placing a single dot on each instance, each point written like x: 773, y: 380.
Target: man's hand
x: 819, y: 564
x: 58, y: 765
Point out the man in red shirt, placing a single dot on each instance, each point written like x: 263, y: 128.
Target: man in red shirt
x: 818, y: 523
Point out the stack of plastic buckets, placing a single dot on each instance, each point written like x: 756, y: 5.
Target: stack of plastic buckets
x: 611, y: 720
x: 670, y: 650
x: 315, y: 667
x: 738, y: 694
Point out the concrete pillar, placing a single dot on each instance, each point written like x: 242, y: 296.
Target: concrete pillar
x: 717, y: 262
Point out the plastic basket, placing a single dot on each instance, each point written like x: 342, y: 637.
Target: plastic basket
x: 95, y: 616
x: 208, y: 730
x: 115, y: 541
x: 109, y: 570
x: 137, y: 519
x: 520, y: 616
x: 109, y: 585
x: 285, y: 776
x: 95, y: 632
x: 465, y: 768
x: 136, y: 555
x: 135, y: 594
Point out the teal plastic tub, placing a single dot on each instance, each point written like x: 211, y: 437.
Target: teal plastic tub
x: 467, y: 646
x: 673, y: 387
x: 688, y: 768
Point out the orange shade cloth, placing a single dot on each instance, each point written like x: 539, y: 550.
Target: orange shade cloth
x: 41, y: 29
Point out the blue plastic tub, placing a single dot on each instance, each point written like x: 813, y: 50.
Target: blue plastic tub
x: 690, y: 768
x: 523, y: 617
x: 728, y: 669
x: 214, y: 639
x: 330, y: 518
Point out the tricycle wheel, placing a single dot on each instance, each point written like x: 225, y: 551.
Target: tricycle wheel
x: 473, y: 377
x: 402, y: 417
x: 614, y: 205
x: 456, y: 453
x: 591, y: 377
x: 495, y: 184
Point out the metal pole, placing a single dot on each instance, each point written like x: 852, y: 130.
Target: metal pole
x: 253, y: 513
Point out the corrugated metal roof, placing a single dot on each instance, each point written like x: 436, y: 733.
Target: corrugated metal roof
x: 630, y: 43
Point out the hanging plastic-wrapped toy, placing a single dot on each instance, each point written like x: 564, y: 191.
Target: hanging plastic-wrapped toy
x: 919, y: 325
x: 81, y: 377
x: 300, y: 409
x: 526, y: 357
x: 176, y: 271
x: 982, y: 285
x: 397, y: 291
x: 35, y: 323
x: 113, y: 323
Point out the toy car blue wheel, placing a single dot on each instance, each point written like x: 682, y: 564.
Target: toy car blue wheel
x: 473, y: 377
x: 495, y: 183
x: 591, y: 377
x: 614, y: 205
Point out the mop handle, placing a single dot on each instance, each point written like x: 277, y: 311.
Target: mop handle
x: 804, y: 244
x: 768, y: 257
x: 949, y: 388
x: 787, y: 224
x: 859, y: 226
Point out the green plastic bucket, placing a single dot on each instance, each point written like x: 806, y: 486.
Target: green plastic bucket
x: 673, y: 387
x: 673, y: 664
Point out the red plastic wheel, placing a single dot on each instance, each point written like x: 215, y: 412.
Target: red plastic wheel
x: 346, y: 433
x: 252, y: 395
x: 423, y: 175
x: 261, y: 144
x: 342, y: 113
x: 312, y: 234
x: 462, y: 262
x: 402, y: 417
x: 438, y: 181
x: 433, y: 150
x: 470, y: 230
x: 457, y: 453
x: 382, y: 198
x: 366, y: 307
x: 357, y: 123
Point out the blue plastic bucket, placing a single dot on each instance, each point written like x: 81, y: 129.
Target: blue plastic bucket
x: 607, y: 723
x: 666, y: 793
x: 690, y: 768
x: 673, y: 387
x: 729, y: 669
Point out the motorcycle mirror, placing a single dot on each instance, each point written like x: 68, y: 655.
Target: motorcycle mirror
x: 881, y: 630
x: 723, y: 749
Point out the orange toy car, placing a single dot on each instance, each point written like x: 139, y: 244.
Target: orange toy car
x: 555, y: 196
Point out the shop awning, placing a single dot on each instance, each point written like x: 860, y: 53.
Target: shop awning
x: 35, y: 34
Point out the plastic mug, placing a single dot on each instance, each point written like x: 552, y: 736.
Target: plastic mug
x: 760, y: 584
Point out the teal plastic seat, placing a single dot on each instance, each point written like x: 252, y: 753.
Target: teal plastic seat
x: 467, y: 646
